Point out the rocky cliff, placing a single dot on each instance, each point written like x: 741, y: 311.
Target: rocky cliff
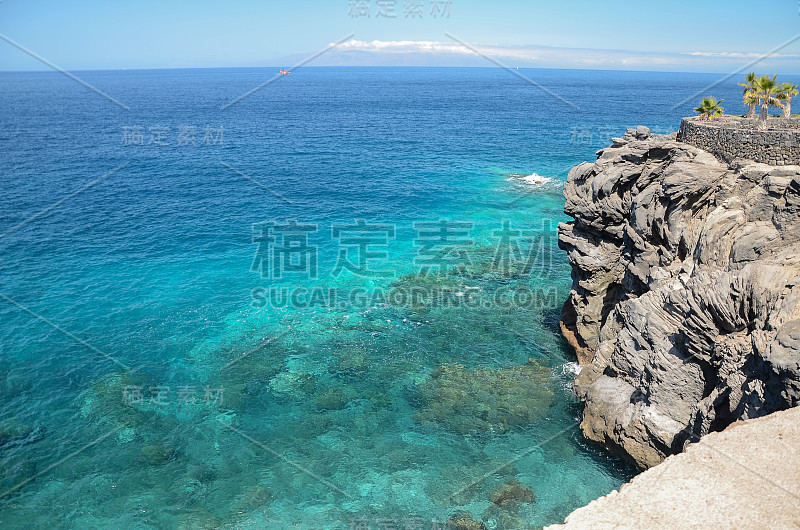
x: 685, y: 306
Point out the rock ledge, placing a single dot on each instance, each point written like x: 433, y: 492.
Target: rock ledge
x: 745, y: 477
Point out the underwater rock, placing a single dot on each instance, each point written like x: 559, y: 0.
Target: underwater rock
x: 482, y: 262
x: 252, y: 498
x: 381, y: 400
x: 333, y: 399
x: 295, y: 384
x: 12, y: 431
x: 453, y: 483
x: 203, y: 473
x: 199, y: 519
x: 507, y: 501
x: 559, y: 451
x: 485, y: 263
x: 157, y: 455
x: 121, y: 401
x: 237, y: 395
x: 13, y: 383
x: 464, y: 521
x: 104, y: 401
x: 351, y: 363
x: 502, y: 519
x: 485, y: 400
x: 398, y: 459
x: 512, y: 494
x: 248, y: 376
x: 312, y: 424
x: 16, y: 472
x: 190, y: 491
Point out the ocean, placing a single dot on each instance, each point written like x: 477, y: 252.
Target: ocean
x: 330, y: 303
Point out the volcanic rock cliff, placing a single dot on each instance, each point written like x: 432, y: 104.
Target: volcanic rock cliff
x: 685, y: 305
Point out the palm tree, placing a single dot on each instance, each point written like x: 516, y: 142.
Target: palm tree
x: 787, y: 91
x: 710, y: 108
x: 750, y: 88
x: 767, y: 93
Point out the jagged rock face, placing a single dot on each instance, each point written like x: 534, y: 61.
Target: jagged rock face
x: 685, y: 306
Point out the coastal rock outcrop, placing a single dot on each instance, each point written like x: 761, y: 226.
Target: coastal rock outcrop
x: 685, y: 306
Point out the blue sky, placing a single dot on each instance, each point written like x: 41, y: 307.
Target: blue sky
x: 674, y: 35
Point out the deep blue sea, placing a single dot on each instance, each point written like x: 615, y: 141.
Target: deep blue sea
x: 331, y: 304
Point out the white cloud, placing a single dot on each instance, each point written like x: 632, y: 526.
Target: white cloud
x: 446, y: 53
x: 434, y: 47
x: 537, y: 55
x: 404, y: 46
x: 739, y: 55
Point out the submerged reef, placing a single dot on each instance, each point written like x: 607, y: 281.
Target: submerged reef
x: 103, y: 403
x: 512, y: 494
x: 485, y: 400
x: 464, y: 521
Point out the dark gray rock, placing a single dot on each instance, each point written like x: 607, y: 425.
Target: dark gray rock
x: 685, y: 304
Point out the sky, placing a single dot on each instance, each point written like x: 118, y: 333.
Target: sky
x: 674, y: 35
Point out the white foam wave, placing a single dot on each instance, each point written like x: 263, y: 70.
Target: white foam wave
x: 535, y: 179
x: 572, y: 369
x: 567, y: 373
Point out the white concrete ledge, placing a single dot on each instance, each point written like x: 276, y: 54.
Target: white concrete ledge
x: 747, y: 476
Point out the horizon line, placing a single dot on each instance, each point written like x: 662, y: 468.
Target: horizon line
x: 48, y: 70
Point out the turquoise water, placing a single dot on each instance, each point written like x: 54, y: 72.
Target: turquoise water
x: 149, y: 382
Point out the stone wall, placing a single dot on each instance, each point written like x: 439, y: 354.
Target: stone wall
x: 730, y: 140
